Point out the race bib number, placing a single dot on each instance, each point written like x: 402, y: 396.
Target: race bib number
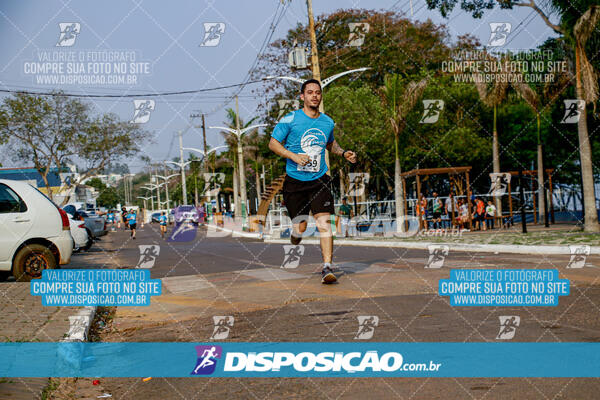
x: 313, y: 165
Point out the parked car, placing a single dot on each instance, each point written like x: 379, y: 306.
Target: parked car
x: 35, y: 233
x: 154, y: 217
x: 81, y: 239
x: 95, y: 225
x: 186, y: 214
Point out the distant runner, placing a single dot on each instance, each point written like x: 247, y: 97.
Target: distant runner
x: 132, y: 220
x: 162, y: 220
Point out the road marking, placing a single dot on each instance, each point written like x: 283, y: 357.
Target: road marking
x: 186, y: 283
x: 271, y: 274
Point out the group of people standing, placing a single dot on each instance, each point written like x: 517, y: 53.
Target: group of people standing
x: 455, y: 212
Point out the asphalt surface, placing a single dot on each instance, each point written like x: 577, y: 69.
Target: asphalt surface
x: 390, y: 283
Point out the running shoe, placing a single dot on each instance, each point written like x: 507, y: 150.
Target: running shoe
x: 327, y: 276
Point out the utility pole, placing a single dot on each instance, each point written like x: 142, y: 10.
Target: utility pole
x: 167, y: 186
x: 240, y: 160
x: 157, y: 192
x: 183, y: 185
x: 316, y: 71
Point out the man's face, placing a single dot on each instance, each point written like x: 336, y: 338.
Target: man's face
x: 312, y: 95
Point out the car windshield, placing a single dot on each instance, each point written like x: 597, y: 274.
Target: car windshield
x: 185, y: 208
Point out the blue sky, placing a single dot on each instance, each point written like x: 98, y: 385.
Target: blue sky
x: 168, y: 34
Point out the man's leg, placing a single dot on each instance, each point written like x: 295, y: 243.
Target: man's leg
x: 326, y: 238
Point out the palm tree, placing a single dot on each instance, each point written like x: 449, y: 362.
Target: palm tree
x: 577, y: 27
x: 253, y: 140
x: 399, y: 98
x: 492, y: 96
x: 533, y: 101
x: 550, y: 92
x: 586, y: 85
x: 231, y: 141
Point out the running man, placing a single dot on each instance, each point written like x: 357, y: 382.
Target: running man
x: 207, y: 359
x: 301, y: 137
x: 132, y: 219
x: 162, y: 220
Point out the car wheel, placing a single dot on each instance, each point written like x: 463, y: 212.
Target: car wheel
x: 31, y: 260
x: 4, y: 275
x: 88, y: 244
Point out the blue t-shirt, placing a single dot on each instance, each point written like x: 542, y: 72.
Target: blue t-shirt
x: 305, y: 135
x: 162, y: 219
x: 132, y: 218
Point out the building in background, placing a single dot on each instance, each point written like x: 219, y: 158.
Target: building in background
x: 63, y: 184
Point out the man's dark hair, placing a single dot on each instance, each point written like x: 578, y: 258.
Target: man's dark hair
x: 306, y: 83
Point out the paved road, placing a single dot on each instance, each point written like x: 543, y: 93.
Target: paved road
x: 208, y: 255
x: 242, y: 278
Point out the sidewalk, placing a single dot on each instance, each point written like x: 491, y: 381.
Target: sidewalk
x: 424, y: 245
x: 24, y: 319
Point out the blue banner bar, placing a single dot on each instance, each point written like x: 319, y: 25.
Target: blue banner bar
x: 227, y: 359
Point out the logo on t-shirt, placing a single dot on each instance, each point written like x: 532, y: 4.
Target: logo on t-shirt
x: 313, y: 141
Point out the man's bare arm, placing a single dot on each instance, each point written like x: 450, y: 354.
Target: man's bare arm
x: 276, y: 147
x: 335, y: 148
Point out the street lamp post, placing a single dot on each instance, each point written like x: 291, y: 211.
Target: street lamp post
x: 182, y: 166
x: 204, y: 154
x: 151, y: 197
x: 239, y: 132
x: 166, y: 179
x: 151, y: 187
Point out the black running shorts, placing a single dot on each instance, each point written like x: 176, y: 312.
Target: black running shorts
x: 302, y: 197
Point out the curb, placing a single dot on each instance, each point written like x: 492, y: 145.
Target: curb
x: 79, y: 325
x: 480, y: 248
x: 234, y: 233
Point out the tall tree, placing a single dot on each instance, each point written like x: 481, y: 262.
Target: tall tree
x: 400, y: 97
x: 55, y: 131
x: 578, y: 23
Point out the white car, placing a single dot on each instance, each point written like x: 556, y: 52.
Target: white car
x: 35, y: 233
x: 81, y: 239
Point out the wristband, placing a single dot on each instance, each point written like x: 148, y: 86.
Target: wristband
x: 344, y: 153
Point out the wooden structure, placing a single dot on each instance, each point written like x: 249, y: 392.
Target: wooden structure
x: 266, y: 198
x: 533, y: 173
x: 452, y: 172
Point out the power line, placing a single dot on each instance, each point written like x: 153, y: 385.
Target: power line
x: 176, y: 93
